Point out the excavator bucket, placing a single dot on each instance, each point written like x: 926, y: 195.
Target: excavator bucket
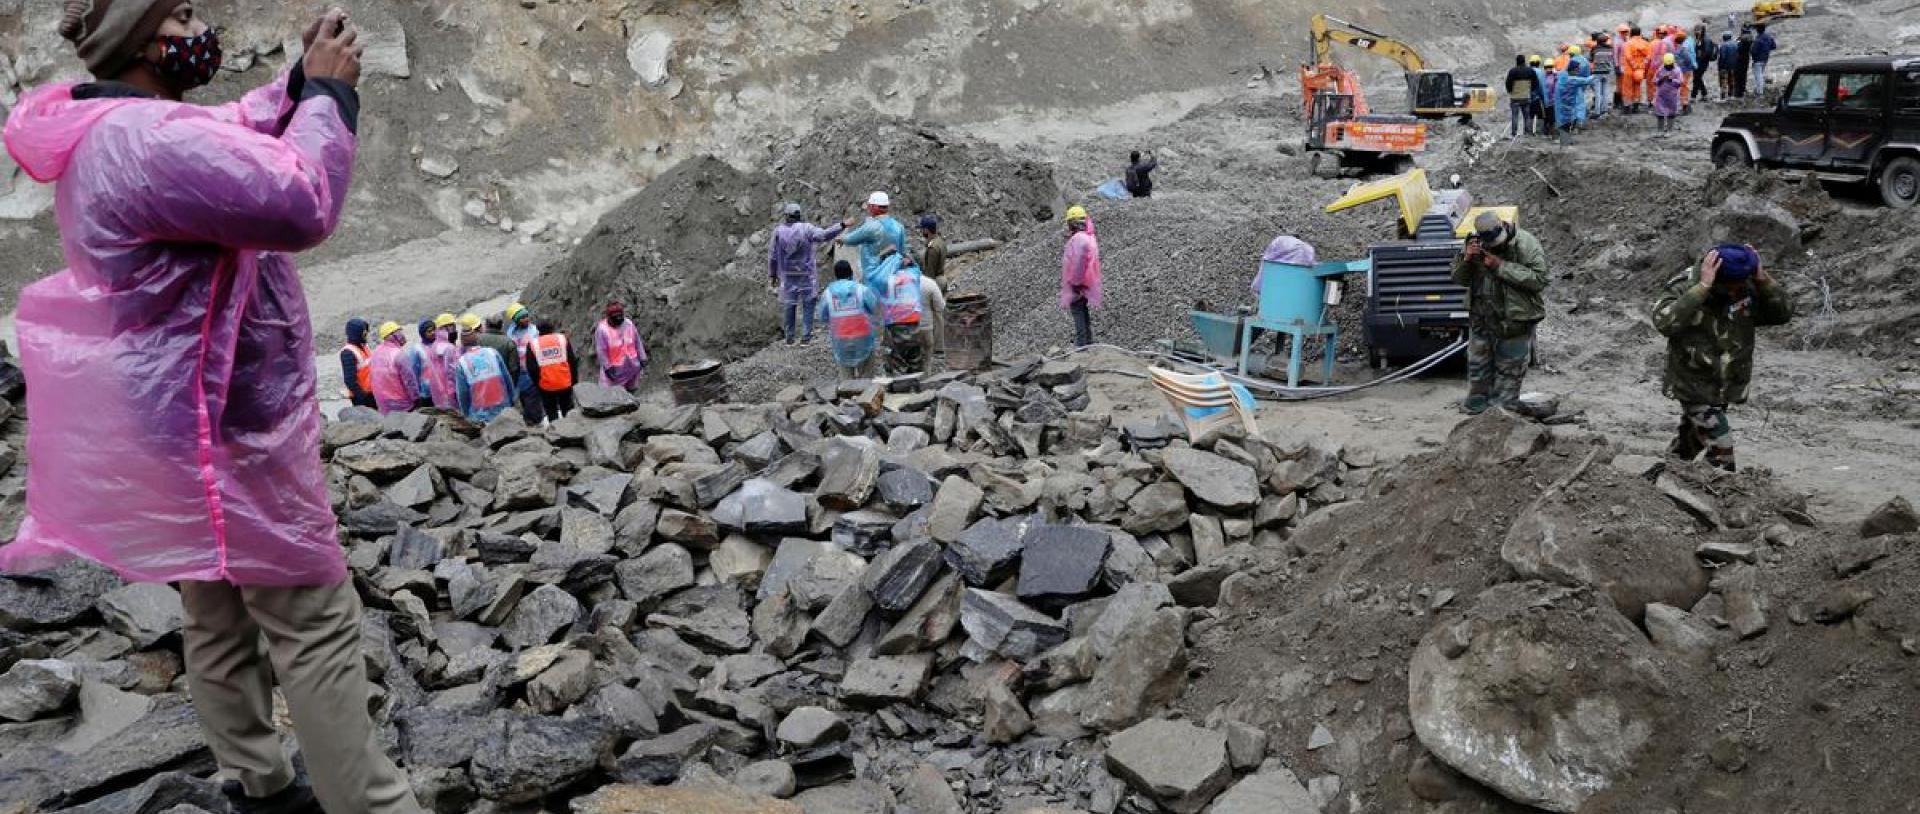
x: 1410, y: 192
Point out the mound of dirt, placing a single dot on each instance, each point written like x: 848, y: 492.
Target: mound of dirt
x: 1317, y: 651
x: 688, y: 253
x: 678, y: 255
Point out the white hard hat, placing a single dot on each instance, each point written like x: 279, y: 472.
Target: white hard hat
x: 879, y: 199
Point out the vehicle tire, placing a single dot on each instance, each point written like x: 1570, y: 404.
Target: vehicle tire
x: 1731, y: 153
x: 1402, y: 165
x: 1900, y: 182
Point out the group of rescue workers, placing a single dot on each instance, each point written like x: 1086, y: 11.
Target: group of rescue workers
x: 896, y: 298
x: 480, y: 368
x: 888, y: 319
x: 1627, y: 69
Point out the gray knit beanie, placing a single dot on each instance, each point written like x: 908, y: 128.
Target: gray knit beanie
x: 108, y: 34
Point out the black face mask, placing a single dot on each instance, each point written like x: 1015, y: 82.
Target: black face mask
x: 190, y: 62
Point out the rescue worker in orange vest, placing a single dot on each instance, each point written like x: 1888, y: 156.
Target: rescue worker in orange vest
x: 623, y: 357
x: 1633, y: 70
x: 356, y: 368
x: 480, y: 380
x: 552, y: 361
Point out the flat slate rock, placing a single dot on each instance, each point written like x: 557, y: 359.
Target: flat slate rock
x: 1230, y: 485
x: 988, y: 551
x: 1002, y: 624
x: 1061, y: 564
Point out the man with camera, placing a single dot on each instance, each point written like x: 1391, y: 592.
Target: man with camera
x: 1504, y: 270
x: 203, y: 469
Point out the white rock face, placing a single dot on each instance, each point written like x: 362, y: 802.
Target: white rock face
x: 648, y: 54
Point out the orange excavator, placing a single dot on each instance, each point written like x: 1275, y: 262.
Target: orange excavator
x: 1339, y: 123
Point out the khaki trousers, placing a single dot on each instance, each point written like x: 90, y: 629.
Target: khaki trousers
x: 238, y: 639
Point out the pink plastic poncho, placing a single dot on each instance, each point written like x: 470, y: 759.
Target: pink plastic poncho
x: 1666, y: 91
x: 442, y: 357
x: 395, y: 386
x: 1284, y: 249
x: 1080, y: 269
x: 623, y: 357
x: 170, y: 372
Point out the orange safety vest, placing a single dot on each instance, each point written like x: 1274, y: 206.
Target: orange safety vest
x: 361, y: 370
x: 550, y: 355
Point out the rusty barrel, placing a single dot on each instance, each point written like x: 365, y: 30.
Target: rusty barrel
x: 969, y: 332
x: 702, y: 382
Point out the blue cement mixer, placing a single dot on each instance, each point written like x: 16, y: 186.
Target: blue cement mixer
x: 1294, y: 300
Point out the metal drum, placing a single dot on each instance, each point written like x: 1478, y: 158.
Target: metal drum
x: 702, y: 382
x: 969, y: 332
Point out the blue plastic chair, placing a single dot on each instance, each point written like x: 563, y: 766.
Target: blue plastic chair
x: 1293, y: 302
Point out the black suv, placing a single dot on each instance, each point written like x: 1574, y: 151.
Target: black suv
x: 1852, y: 120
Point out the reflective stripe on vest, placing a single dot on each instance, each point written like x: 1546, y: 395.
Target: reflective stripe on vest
x: 903, y: 297
x: 622, y: 346
x: 362, y: 366
x: 845, y: 318
x: 486, y: 379
x: 550, y: 355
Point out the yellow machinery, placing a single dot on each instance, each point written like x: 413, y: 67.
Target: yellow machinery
x: 1767, y: 11
x: 1435, y: 94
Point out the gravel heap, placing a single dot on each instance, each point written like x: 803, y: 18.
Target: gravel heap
x: 687, y: 254
x: 935, y: 594
x: 1159, y: 258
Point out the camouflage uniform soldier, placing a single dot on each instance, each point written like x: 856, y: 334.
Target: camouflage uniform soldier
x: 1505, y: 270
x: 1708, y: 317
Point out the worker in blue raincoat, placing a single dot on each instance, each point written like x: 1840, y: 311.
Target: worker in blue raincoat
x: 481, y: 384
x: 880, y: 232
x: 852, y: 313
x: 1570, y: 108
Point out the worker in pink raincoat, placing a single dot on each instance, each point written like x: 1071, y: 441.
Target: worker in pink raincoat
x: 170, y: 375
x: 396, y: 384
x: 1668, y: 92
x: 623, y: 357
x: 1080, y: 274
x: 443, y: 357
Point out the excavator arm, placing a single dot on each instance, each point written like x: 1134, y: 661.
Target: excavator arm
x: 1354, y: 36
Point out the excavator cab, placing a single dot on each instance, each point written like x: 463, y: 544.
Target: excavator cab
x: 1431, y: 90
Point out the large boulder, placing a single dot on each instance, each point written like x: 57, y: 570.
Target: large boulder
x: 1631, y: 562
x: 1492, y: 694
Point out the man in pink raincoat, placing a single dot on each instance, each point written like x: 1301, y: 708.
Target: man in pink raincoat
x: 204, y: 467
x: 1080, y: 274
x: 443, y: 357
x: 623, y: 357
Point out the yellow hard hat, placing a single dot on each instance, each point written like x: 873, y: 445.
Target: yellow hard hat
x: 470, y: 321
x: 1573, y: 49
x: 1076, y: 212
x: 515, y: 310
x: 1668, y: 59
x: 444, y: 321
x: 388, y: 328
x: 1534, y: 60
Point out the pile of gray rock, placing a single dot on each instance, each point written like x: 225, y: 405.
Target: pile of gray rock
x: 962, y: 581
